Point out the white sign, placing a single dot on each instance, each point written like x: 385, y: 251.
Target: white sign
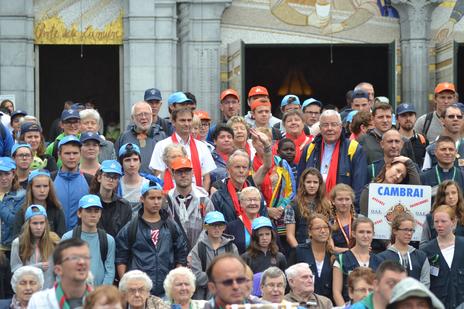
x: 386, y: 201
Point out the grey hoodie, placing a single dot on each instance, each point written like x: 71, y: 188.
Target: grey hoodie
x: 195, y: 263
x: 425, y: 271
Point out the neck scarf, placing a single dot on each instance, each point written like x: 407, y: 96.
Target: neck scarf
x: 300, y: 142
x: 61, y: 297
x: 233, y: 195
x: 331, y: 180
x: 266, y: 186
x: 247, y: 222
x: 194, y: 157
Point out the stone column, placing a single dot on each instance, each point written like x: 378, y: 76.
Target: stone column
x: 200, y: 49
x: 415, y: 20
x: 17, y: 52
x: 150, y: 51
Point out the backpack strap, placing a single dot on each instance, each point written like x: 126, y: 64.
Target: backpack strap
x: 103, y: 239
x: 229, y: 247
x: 427, y: 122
x: 76, y: 232
x: 310, y: 150
x: 55, y: 150
x: 352, y: 149
x: 132, y: 234
x: 202, y: 254
x: 422, y: 139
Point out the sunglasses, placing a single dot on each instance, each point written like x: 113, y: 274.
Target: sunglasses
x: 230, y: 282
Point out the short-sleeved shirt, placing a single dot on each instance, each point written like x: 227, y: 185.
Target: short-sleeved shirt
x: 206, y: 160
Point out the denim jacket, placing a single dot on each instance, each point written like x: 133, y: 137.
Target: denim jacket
x: 9, y: 206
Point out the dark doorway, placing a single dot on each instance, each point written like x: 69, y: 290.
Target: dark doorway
x: 270, y: 66
x: 65, y: 75
x: 459, y: 69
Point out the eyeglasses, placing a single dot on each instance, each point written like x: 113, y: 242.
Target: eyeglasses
x: 312, y: 113
x: 71, y: 122
x: 111, y: 176
x: 274, y: 285
x: 140, y: 290
x: 253, y: 199
x: 24, y: 155
x: 454, y: 116
x: 204, y: 124
x: 330, y: 124
x: 142, y: 115
x: 363, y: 290
x: 76, y: 258
x: 183, y: 171
x: 407, y: 230
x: 216, y: 225
x: 230, y: 282
x: 320, y: 228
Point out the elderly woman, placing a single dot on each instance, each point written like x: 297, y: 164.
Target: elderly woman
x: 241, y: 133
x: 135, y: 287
x: 179, y: 286
x: 26, y: 281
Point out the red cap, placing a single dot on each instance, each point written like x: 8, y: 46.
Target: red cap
x: 258, y: 90
x: 445, y: 86
x: 231, y: 92
x: 202, y: 115
x: 260, y: 102
x: 181, y: 162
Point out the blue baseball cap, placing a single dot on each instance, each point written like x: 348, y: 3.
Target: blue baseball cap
x: 90, y: 136
x: 349, y: 117
x: 36, y: 173
x: 30, y: 127
x: 359, y: 94
x: 111, y: 166
x: 405, y: 108
x: 90, y: 200
x: 311, y: 101
x: 17, y: 112
x: 127, y: 147
x: 34, y: 210
x: 7, y: 164
x: 214, y: 217
x: 147, y: 187
x: 261, y: 222
x: 70, y: 114
x: 19, y: 145
x: 152, y: 94
x: 78, y: 106
x: 69, y: 139
x: 285, y: 102
x: 178, y: 97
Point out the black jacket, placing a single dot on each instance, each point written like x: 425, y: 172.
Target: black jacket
x: 115, y: 215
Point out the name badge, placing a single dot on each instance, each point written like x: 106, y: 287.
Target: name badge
x: 434, y: 271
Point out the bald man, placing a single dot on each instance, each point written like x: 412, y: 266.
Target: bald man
x: 142, y: 132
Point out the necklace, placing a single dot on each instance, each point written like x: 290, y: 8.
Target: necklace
x: 361, y: 262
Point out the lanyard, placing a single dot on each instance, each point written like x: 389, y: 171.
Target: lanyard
x: 343, y: 230
x: 438, y: 174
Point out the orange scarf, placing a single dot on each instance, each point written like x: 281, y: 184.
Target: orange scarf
x: 331, y: 180
x: 266, y: 186
x: 234, y: 197
x: 300, y: 142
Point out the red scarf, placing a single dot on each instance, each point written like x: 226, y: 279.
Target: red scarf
x: 168, y: 183
x: 234, y: 196
x: 266, y: 186
x: 194, y: 157
x: 246, y: 222
x: 224, y: 156
x: 300, y: 142
x: 331, y: 180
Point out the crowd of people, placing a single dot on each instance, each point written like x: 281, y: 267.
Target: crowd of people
x: 184, y: 212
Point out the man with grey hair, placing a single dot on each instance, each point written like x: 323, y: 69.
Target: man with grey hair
x: 225, y: 192
x: 337, y: 158
x: 135, y: 286
x: 142, y: 132
x: 273, y: 284
x: 301, y: 281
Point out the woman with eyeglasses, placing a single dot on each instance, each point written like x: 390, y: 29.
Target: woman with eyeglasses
x: 22, y: 154
x: 359, y: 255
x: 448, y: 193
x: 116, y: 210
x: 35, y: 245
x: 413, y: 260
x: 318, y: 254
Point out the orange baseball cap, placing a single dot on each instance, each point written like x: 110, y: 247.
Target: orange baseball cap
x: 181, y: 162
x: 227, y: 92
x: 202, y: 115
x: 445, y: 86
x: 260, y: 102
x: 258, y: 90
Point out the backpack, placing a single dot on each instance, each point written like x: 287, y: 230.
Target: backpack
x: 202, y: 253
x: 427, y: 122
x: 102, y: 238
